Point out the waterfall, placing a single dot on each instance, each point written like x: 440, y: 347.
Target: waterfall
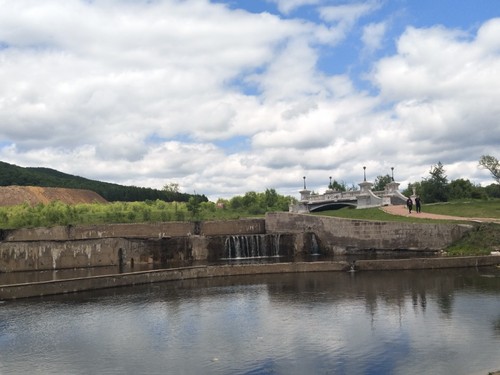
x: 314, y: 245
x: 252, y: 246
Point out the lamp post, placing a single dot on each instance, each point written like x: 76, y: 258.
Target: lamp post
x: 304, y: 182
x: 364, y: 174
x: 392, y: 169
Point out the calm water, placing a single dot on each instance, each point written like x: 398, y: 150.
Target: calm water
x: 400, y: 322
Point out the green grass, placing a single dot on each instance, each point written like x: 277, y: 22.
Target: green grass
x: 481, y: 240
x: 466, y: 209
x: 470, y: 208
x: 374, y: 214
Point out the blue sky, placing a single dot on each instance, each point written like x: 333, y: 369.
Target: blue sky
x: 225, y: 97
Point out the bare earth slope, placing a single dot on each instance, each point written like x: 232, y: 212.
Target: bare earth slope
x: 13, y: 195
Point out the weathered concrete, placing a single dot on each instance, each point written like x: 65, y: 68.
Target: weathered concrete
x: 138, y: 230
x: 167, y: 243
x: 426, y: 263
x: 15, y: 291
x: 341, y: 236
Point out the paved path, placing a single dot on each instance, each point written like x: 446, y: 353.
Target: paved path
x: 403, y: 211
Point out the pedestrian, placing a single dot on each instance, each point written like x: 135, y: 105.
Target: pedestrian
x: 418, y: 205
x: 409, y: 204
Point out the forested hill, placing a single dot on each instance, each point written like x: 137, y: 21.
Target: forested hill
x: 45, y: 177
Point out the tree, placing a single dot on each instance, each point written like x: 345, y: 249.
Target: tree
x: 380, y: 182
x: 435, y: 188
x: 171, y: 187
x: 271, y: 198
x: 337, y: 186
x: 193, y: 205
x: 492, y: 164
x: 460, y: 189
x: 493, y: 190
x: 413, y: 186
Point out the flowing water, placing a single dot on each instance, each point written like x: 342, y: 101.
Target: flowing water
x: 392, y: 322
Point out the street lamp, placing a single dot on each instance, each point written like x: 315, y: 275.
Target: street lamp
x: 304, y: 182
x: 392, y: 169
x: 364, y: 174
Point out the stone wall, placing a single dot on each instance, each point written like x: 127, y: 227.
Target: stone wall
x: 163, y: 244
x: 25, y: 290
x: 43, y: 255
x: 167, y: 244
x: 341, y: 236
x: 139, y: 230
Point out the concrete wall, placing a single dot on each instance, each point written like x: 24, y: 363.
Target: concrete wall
x: 174, y: 243
x: 42, y: 255
x: 51, y: 255
x: 119, y: 244
x: 101, y: 282
x: 233, y: 227
x: 139, y: 230
x: 341, y: 236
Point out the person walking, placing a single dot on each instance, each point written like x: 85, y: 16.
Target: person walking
x: 418, y: 205
x: 409, y: 204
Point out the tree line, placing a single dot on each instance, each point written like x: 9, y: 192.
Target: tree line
x: 196, y: 208
x: 45, y: 177
x: 437, y: 188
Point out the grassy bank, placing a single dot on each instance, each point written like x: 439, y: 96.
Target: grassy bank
x: 482, y: 240
x: 465, y: 209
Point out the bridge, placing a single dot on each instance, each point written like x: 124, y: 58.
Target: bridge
x: 363, y: 198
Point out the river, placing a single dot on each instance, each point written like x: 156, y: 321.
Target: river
x: 388, y: 322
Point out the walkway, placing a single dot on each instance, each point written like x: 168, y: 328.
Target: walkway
x: 403, y: 211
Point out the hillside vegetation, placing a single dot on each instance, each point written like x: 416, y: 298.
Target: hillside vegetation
x: 45, y: 177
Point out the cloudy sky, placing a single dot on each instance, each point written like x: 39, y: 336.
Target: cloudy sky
x: 229, y: 96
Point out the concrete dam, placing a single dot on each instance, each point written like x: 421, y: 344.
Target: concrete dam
x: 167, y: 244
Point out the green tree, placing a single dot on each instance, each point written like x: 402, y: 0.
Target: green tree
x: 171, y: 187
x: 409, y: 190
x: 271, y: 198
x: 193, y: 206
x: 380, y: 182
x: 435, y: 188
x: 493, y: 190
x: 492, y: 164
x: 460, y: 189
x: 337, y: 186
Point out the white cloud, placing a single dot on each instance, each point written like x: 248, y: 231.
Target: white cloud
x: 287, y: 6
x: 348, y: 14
x: 373, y: 36
x: 143, y: 92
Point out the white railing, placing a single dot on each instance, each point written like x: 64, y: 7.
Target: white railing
x: 345, y: 195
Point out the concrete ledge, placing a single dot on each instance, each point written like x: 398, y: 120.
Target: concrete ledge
x: 14, y: 291
x: 427, y: 263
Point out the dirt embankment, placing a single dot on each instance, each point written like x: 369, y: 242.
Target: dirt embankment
x: 13, y: 195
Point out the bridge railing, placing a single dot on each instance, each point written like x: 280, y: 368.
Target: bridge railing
x: 380, y: 193
x: 345, y: 195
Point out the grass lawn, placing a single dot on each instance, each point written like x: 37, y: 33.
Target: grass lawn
x: 483, y: 239
x: 375, y: 214
x: 470, y: 208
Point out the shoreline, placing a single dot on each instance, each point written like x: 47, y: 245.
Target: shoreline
x: 74, y: 285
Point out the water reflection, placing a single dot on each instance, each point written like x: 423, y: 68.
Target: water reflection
x: 398, y: 322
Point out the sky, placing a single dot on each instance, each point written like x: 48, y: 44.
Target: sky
x: 224, y: 97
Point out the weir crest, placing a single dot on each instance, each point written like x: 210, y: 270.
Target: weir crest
x: 252, y: 246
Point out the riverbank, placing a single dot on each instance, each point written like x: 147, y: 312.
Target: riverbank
x: 26, y: 290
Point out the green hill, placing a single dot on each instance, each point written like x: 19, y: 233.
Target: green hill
x: 45, y: 177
